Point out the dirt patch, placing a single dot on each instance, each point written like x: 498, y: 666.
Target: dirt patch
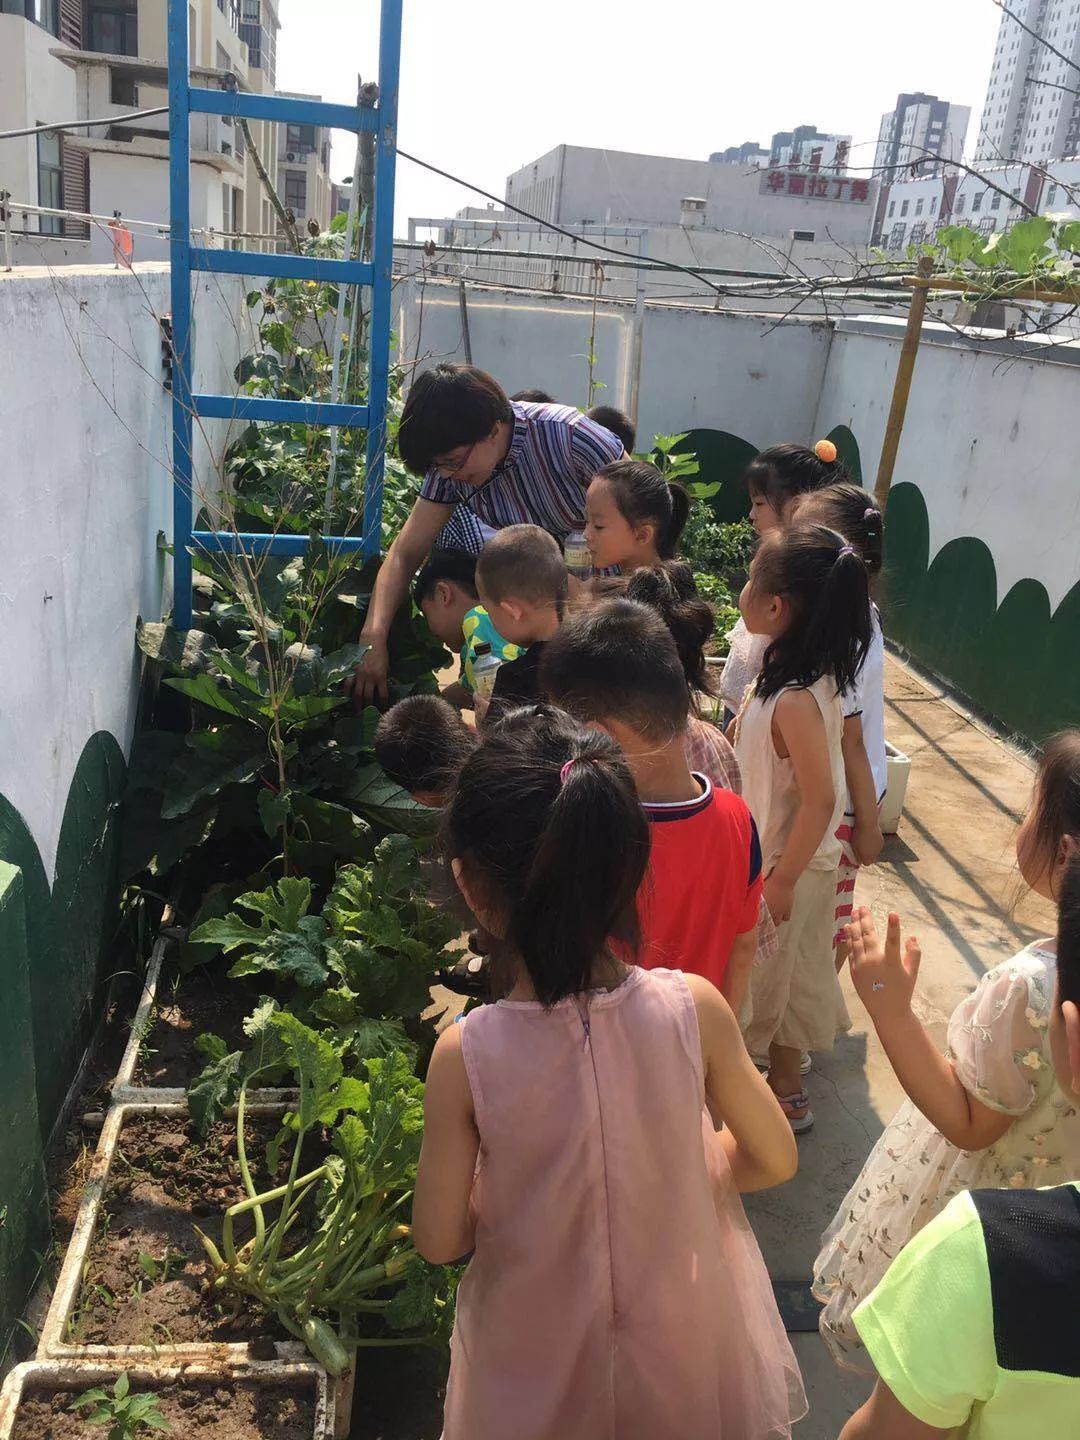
x: 228, y: 1410
x: 188, y: 1006
x: 147, y: 1277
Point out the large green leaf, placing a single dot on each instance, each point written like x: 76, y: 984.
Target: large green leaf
x: 216, y: 1086
x: 1025, y: 244
x: 318, y: 1070
x: 396, y: 867
x: 283, y: 904
x: 377, y: 796
x: 298, y: 955
x: 207, y: 691
x: 212, y: 760
x: 228, y: 933
x: 325, y: 834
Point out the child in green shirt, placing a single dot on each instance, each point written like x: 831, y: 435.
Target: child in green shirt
x: 445, y: 592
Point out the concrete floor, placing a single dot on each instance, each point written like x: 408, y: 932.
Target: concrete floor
x: 950, y: 873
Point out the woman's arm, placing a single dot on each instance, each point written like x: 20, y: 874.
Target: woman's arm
x: 884, y: 1418
x: 403, y: 559
x: 885, y: 981
x: 867, y: 839
x: 756, y: 1136
x: 799, y: 732
x: 442, y: 1227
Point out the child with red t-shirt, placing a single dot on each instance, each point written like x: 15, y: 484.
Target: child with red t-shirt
x: 616, y: 666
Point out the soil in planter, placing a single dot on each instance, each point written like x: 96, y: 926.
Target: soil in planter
x: 188, y: 1006
x: 146, y: 1281
x: 228, y: 1410
x: 399, y: 1395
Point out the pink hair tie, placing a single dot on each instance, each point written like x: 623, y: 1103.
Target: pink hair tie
x: 846, y: 550
x: 565, y: 771
x: 870, y: 513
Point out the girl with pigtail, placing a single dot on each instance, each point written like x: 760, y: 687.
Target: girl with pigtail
x: 572, y: 1146
x: 854, y: 514
x: 633, y: 516
x: 775, y: 480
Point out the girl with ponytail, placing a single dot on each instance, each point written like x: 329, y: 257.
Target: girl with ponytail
x: 633, y: 516
x: 808, y: 597
x: 774, y: 480
x: 561, y: 1122
x: 855, y: 514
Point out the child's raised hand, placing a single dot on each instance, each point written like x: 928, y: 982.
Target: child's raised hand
x: 883, y: 976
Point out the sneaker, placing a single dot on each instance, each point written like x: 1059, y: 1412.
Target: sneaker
x: 797, y: 1109
x: 470, y: 977
x: 806, y: 1063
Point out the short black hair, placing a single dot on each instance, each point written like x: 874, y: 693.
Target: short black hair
x: 619, y: 423
x: 853, y: 512
x: 524, y: 562
x: 449, y: 406
x: 618, y: 661
x: 534, y: 397
x: 422, y: 743
x: 457, y: 566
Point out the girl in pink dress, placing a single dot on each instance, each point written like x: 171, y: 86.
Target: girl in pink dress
x: 614, y: 1289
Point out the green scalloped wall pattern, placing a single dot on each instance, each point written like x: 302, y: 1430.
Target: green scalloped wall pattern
x: 1016, y: 660
x: 52, y: 949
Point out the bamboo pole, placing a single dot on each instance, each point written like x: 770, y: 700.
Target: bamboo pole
x: 902, y: 386
x: 1010, y: 290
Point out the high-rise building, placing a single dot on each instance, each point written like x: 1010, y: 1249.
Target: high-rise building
x: 749, y: 153
x: 920, y: 128
x: 303, y: 176
x: 806, y: 148
x: 1032, y: 109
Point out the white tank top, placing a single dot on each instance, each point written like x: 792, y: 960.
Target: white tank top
x: 769, y: 787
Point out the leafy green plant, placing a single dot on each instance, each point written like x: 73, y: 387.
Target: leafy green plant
x: 125, y: 1414
x: 360, y: 972
x: 724, y: 604
x: 357, y: 1247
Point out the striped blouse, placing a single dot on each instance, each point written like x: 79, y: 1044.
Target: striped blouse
x: 554, y: 453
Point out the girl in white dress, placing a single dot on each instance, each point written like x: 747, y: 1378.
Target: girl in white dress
x: 987, y: 1115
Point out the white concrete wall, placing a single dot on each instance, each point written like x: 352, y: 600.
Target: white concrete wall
x: 138, y: 186
x: 35, y: 88
x: 86, y: 491
x: 986, y: 439
x: 699, y: 367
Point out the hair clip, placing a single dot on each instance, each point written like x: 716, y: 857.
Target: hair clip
x: 871, y: 513
x: 565, y: 771
x: 845, y: 550
x: 826, y: 452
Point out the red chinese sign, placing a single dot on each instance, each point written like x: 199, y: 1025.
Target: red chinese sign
x: 813, y: 185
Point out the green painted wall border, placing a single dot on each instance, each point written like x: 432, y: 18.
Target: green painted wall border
x: 24, y: 1209
x: 1018, y: 660
x: 54, y: 948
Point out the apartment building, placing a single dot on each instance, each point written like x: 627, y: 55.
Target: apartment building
x: 303, y: 171
x: 1032, y: 107
x: 69, y: 59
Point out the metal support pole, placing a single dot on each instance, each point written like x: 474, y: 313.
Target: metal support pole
x: 637, y: 337
x: 5, y: 215
x: 465, y: 337
x: 180, y: 266
x: 902, y: 387
x: 383, y: 261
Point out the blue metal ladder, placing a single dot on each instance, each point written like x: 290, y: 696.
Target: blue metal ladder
x: 186, y: 100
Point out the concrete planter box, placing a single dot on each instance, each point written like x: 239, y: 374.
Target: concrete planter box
x: 77, y: 1376
x: 55, y: 1343
x: 898, y: 769
x: 125, y: 1089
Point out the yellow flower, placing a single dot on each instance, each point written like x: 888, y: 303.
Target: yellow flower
x: 1034, y: 1019
x: 1018, y: 1180
x: 312, y: 284
x: 1033, y: 1060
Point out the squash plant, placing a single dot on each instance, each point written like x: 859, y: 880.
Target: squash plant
x: 354, y: 1270
x: 360, y: 972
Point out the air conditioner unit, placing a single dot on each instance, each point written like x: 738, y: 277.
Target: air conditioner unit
x: 802, y: 234
x: 292, y: 156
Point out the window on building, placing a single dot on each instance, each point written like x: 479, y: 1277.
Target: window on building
x: 296, y: 191
x: 45, y: 13
x: 122, y: 89
x: 995, y: 201
x: 919, y: 206
x: 112, y: 27
x: 905, y: 206
x: 892, y: 209
x: 1051, y: 195
x: 50, y: 181
x: 918, y: 232
x: 977, y: 199
x: 959, y: 205
x: 300, y: 140
x: 896, y: 237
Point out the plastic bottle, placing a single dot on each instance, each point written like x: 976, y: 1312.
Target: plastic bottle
x: 484, y: 668
x: 576, y: 554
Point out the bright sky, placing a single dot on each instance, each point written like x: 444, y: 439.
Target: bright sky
x: 487, y: 85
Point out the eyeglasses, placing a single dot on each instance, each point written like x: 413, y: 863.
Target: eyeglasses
x: 455, y: 467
